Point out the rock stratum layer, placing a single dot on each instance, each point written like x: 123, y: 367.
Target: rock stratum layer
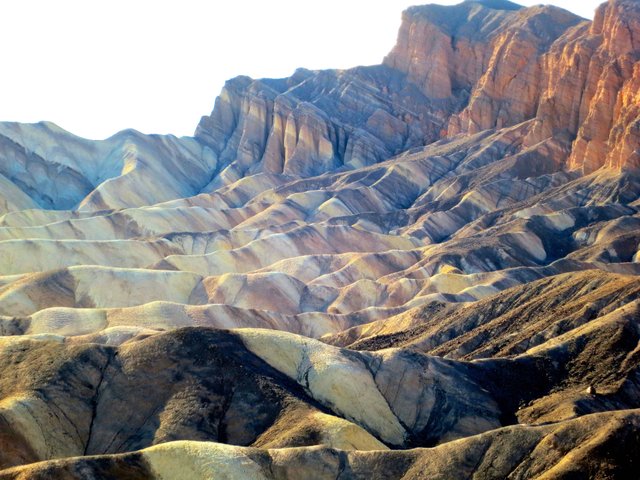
x: 427, y: 268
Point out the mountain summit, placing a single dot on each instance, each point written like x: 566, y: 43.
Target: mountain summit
x: 427, y: 268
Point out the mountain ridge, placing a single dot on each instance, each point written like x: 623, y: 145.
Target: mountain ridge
x: 427, y: 267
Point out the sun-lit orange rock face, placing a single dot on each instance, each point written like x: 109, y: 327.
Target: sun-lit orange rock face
x: 577, y: 79
x: 489, y: 58
x: 445, y: 50
x: 592, y: 89
x: 508, y: 91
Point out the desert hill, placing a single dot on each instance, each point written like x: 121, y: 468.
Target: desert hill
x: 427, y: 268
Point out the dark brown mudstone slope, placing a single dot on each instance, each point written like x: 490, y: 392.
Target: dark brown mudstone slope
x: 195, y: 384
x: 594, y: 447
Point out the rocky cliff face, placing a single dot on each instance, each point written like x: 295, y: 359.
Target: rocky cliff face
x: 317, y: 122
x: 442, y: 247
x: 478, y: 65
x: 578, y: 80
x: 608, y: 132
x: 488, y: 54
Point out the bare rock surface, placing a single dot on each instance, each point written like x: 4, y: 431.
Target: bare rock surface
x: 427, y: 268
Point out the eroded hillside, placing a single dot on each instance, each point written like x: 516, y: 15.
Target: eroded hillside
x: 427, y: 268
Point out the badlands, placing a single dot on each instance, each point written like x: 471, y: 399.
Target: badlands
x: 427, y: 268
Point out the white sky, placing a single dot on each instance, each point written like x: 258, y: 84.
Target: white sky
x: 96, y: 67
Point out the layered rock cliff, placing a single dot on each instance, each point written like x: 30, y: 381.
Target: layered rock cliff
x: 317, y: 122
x: 578, y: 80
x: 479, y: 65
x: 488, y: 53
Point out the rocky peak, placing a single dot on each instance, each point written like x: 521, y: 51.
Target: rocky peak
x: 506, y: 65
x: 592, y: 84
x: 618, y: 21
x: 512, y: 82
x: 445, y: 49
x: 318, y: 121
x: 462, y: 69
x: 442, y: 49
